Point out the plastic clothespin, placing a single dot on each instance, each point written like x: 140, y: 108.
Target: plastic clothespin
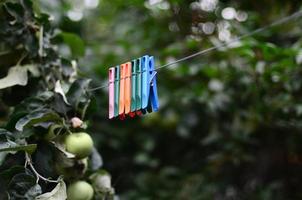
x: 145, y: 82
x: 111, y: 78
x: 133, y: 85
x: 153, y: 103
x: 116, y: 90
x: 133, y: 88
x: 127, y: 87
x: 138, y: 85
x: 122, y: 89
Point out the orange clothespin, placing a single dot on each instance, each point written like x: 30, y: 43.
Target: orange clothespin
x: 127, y: 87
x: 122, y: 89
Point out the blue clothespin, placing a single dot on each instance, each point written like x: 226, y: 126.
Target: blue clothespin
x: 149, y: 87
x: 153, y: 103
x: 145, y: 82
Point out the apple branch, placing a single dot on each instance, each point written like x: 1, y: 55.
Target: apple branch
x: 28, y: 161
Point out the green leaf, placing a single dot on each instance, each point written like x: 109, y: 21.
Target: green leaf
x: 11, y: 147
x: 58, y: 193
x: 15, y: 10
x: 59, y: 90
x: 62, y: 149
x: 16, y: 76
x: 4, y: 135
x: 23, y: 186
x: 37, y: 117
x: 33, y: 69
x: 2, y: 157
x: 33, y: 192
x: 78, y: 92
x: 75, y: 44
x: 9, y: 173
x: 29, y: 105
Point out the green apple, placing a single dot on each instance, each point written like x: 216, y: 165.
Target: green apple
x: 101, y: 181
x: 79, y: 190
x: 79, y: 144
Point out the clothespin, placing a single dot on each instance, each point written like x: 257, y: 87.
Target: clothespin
x: 116, y: 90
x: 138, y: 85
x: 127, y: 87
x: 111, y: 92
x: 122, y: 89
x: 145, y: 82
x: 133, y: 87
x: 153, y: 102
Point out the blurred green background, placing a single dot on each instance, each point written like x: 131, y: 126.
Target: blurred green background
x: 230, y: 122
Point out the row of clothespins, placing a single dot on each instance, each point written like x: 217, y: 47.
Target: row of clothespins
x: 132, y: 88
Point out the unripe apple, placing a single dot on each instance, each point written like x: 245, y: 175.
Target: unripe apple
x: 101, y: 181
x: 79, y: 144
x: 79, y: 190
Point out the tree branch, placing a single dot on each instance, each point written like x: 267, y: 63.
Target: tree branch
x: 28, y: 161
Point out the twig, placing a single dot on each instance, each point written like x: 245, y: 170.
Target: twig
x: 41, y: 54
x: 66, y: 126
x: 85, y: 109
x: 5, y: 52
x: 21, y: 59
x: 2, y: 53
x: 41, y: 42
x: 28, y: 161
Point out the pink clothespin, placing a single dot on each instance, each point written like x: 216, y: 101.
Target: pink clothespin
x: 111, y: 92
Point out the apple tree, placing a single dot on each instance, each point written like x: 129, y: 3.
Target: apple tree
x: 45, y: 152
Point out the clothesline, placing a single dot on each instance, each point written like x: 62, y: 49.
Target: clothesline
x: 293, y: 16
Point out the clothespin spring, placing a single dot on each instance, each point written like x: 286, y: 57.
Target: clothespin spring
x: 152, y: 76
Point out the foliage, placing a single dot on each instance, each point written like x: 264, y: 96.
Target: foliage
x: 229, y: 122
x: 40, y: 94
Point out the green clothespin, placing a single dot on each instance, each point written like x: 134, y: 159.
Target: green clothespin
x: 138, y: 87
x: 133, y: 85
x: 116, y: 90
